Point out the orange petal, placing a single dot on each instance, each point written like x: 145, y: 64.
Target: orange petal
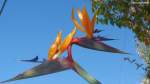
x: 54, y: 47
x: 93, y: 22
x: 67, y: 41
x: 86, y: 23
x: 76, y: 22
x: 52, y: 51
x: 86, y: 19
x: 80, y: 15
x: 58, y: 39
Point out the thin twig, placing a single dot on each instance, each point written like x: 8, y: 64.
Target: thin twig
x: 3, y: 6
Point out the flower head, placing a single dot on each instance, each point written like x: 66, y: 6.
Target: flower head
x: 58, y: 47
x: 87, y: 25
x: 90, y: 41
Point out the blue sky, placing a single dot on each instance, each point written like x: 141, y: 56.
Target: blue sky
x: 28, y: 27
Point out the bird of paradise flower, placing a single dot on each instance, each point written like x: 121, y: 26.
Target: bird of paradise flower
x: 55, y: 63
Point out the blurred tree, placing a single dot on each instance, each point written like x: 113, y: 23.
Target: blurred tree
x: 144, y: 52
x: 125, y: 13
x: 132, y: 14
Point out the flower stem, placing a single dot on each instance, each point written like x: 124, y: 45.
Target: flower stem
x: 70, y: 54
x: 80, y: 71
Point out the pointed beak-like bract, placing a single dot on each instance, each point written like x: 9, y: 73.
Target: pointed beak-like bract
x: 90, y: 41
x: 97, y: 45
x: 42, y: 69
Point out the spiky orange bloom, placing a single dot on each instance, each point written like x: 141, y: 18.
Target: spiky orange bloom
x: 87, y: 25
x: 54, y: 48
x: 67, y: 41
x: 58, y: 47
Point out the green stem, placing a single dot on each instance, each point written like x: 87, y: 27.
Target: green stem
x: 80, y: 71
